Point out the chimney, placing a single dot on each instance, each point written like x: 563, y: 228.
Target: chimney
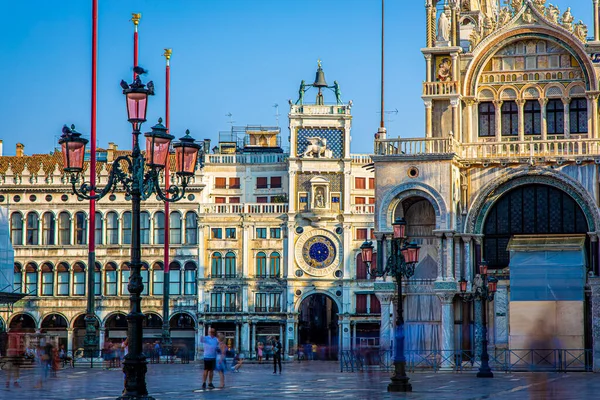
x: 20, y: 149
x: 1, y: 154
x: 110, y: 153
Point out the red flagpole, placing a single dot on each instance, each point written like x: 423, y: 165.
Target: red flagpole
x: 135, y: 18
x: 166, y: 281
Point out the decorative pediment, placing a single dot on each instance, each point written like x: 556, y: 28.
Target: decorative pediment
x: 522, y: 13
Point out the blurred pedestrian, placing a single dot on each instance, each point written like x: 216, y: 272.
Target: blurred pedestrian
x: 313, y: 350
x: 277, y: 348
x: 238, y: 360
x: 211, y: 344
x: 221, y: 361
x: 542, y: 345
x: 259, y: 352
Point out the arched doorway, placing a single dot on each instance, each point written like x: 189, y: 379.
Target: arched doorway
x: 22, y: 323
x: 152, y: 325
x: 79, y: 331
x: 56, y: 325
x: 116, y: 328
x: 318, y: 324
x: 183, y: 334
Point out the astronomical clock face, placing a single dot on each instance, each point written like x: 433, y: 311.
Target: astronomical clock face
x: 317, y: 252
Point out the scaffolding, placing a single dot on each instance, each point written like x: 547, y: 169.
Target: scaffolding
x: 8, y: 296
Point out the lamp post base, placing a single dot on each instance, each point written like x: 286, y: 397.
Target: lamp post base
x: 485, y: 374
x: 399, y: 381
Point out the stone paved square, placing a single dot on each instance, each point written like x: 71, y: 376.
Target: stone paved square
x: 307, y: 380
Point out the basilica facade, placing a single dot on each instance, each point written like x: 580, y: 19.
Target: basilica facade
x: 266, y: 242
x: 507, y: 172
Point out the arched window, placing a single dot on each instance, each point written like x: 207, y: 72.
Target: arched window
x: 261, y: 265
x: 216, y: 270
x: 78, y: 279
x: 274, y: 265
x: 48, y: 228
x: 191, y: 228
x: 125, y: 273
x: 487, y: 119
x: 190, y: 278
x: 98, y: 228
x: 144, y: 271
x: 110, y: 280
x: 31, y: 279
x: 16, y: 228
x: 510, y: 118
x: 80, y: 228
x: 64, y: 228
x: 578, y: 116
x: 175, y: 228
x: 230, y: 270
x: 126, y: 228
x: 63, y: 279
x: 112, y: 228
x: 18, y: 278
x: 157, y: 279
x: 555, y: 117
x: 144, y: 228
x: 98, y: 280
x: 174, y: 278
x: 533, y: 118
x: 47, y: 280
x: 159, y: 227
x: 33, y: 226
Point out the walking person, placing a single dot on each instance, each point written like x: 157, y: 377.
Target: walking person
x: 277, y: 355
x: 259, y: 352
x: 211, y: 343
x: 221, y: 362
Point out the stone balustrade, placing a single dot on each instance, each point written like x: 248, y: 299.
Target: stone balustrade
x: 244, y: 208
x: 362, y: 209
x: 440, y: 88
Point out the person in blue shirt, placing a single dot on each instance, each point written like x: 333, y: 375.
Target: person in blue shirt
x: 211, y: 344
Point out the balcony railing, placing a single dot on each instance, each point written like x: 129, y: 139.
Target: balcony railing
x: 244, y: 208
x: 440, y: 88
x: 558, y: 148
x: 221, y: 309
x: 267, y: 309
x: 222, y: 276
x: 362, y: 208
x: 361, y: 159
x: 268, y: 158
x: 268, y: 276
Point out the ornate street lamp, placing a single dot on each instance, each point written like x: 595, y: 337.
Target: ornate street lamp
x: 400, y: 264
x: 140, y: 179
x: 483, y: 291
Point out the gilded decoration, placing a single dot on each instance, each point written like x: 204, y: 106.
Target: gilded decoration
x: 443, y: 70
x: 527, y: 12
x: 317, y: 252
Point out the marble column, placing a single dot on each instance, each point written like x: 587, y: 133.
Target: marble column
x: 477, y: 317
x: 543, y: 103
x: 592, y: 104
x: 566, y: 104
x: 454, y: 103
x: 380, y: 241
x: 428, y: 69
x: 237, y: 337
x: 102, y: 338
x: 467, y: 258
x: 198, y: 344
x: 469, y: 134
x: 353, y: 345
x: 447, y: 329
x: 440, y: 260
x: 498, y: 109
x: 344, y: 332
x: 385, y: 339
x: 347, y: 259
x: 596, y: 22
x: 594, y: 283
x: 253, y: 341
x: 449, y: 270
x: 245, y: 348
x: 521, y: 115
x: 428, y: 118
x: 430, y: 26
x: 70, y: 340
x: 500, y: 305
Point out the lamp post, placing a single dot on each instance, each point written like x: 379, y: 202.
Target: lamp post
x: 483, y: 291
x: 400, y: 264
x: 140, y: 179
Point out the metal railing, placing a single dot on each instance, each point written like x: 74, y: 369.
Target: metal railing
x: 502, y: 360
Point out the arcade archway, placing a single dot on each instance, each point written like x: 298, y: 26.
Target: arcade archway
x: 79, y: 331
x: 183, y: 334
x: 318, y: 325
x: 57, y: 325
x: 22, y: 323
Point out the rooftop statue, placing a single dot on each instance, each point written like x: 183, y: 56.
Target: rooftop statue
x: 567, y: 20
x: 581, y: 31
x: 301, y: 93
x: 443, y: 28
x: 516, y: 5
x: 338, y: 93
x: 504, y: 17
x: 553, y: 13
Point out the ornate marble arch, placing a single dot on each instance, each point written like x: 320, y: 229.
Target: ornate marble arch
x: 307, y: 294
x: 411, y: 189
x: 494, y: 190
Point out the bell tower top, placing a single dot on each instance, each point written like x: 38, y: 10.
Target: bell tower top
x: 320, y: 83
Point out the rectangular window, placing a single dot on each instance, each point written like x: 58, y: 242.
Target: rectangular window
x: 111, y: 283
x: 361, y: 234
x: 510, y: 118
x: 79, y: 283
x: 335, y: 199
x: 262, y: 199
x: 158, y: 282
x: 261, y: 183
x: 275, y: 182
x: 144, y: 228
x: 220, y: 183
x: 371, y: 200
x: 175, y: 282
x: 217, y: 233
x: 97, y: 283
x: 260, y: 302
x: 487, y: 119
x: 371, y: 183
x: 220, y: 200
x: 275, y: 233
x: 359, y: 200
x: 261, y: 233
x: 230, y: 233
x: 190, y: 281
x: 215, y: 302
x: 234, y: 183
x: 18, y: 282
x: 360, y: 183
x: 47, y: 283
x: 274, y: 302
x: 31, y: 283
x: 234, y: 200
x: 124, y: 281
x: 555, y: 113
x: 63, y: 283
x: 361, y: 303
x: 145, y: 281
x: 230, y: 302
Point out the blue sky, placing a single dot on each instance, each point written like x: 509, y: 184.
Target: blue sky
x: 229, y: 56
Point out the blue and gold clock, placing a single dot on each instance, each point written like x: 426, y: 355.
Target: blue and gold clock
x: 317, y: 252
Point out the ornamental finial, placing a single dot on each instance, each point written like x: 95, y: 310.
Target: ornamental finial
x: 135, y: 18
x: 168, y: 53
x: 319, y: 63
